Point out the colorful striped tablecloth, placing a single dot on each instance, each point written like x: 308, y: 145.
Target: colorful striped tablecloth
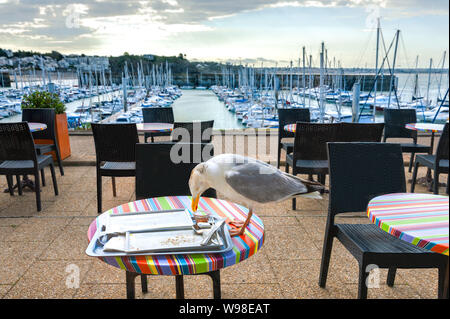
x: 419, y: 219
x: 154, y: 127
x: 425, y: 127
x: 244, y: 246
x: 290, y: 128
x: 34, y: 127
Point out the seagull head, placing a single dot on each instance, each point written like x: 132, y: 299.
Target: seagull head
x: 198, y: 184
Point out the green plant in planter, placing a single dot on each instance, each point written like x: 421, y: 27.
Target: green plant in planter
x: 43, y: 100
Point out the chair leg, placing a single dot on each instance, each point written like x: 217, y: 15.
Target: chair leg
x: 37, y: 189
x: 215, y: 276
x: 279, y: 155
x: 436, y: 182
x: 411, y: 162
x: 414, y: 177
x: 55, y: 185
x: 9, y: 180
x: 179, y: 285
x: 362, y: 281
x: 19, y: 185
x: 326, y: 255
x: 391, y: 276
x: 99, y: 192
x: 58, y: 158
x: 446, y: 190
x: 113, y: 181
x: 144, y: 284
x: 43, y: 177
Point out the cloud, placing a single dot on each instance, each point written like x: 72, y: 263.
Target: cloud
x: 89, y: 24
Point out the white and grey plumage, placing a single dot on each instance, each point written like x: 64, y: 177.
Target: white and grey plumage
x: 248, y: 182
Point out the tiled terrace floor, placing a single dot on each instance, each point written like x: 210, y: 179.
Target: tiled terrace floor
x: 38, y: 251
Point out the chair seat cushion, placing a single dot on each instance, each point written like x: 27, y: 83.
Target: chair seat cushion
x: 288, y: 146
x: 414, y: 148
x: 44, y: 148
x: 371, y: 239
x: 314, y: 166
x: 43, y: 160
x: 119, y: 166
x: 429, y: 161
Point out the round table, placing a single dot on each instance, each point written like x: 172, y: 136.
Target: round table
x: 154, y: 127
x: 290, y: 128
x: 192, y: 264
x: 419, y: 219
x: 425, y: 127
x: 34, y: 127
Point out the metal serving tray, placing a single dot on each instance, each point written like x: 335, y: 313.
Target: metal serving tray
x: 153, y: 233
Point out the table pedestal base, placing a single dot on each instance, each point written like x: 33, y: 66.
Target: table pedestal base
x: 25, y: 182
x: 179, y: 284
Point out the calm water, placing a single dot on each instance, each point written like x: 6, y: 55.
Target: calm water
x: 204, y: 105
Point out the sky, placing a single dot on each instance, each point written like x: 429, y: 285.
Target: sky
x: 252, y: 32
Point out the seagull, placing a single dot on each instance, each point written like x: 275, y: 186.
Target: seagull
x: 248, y: 182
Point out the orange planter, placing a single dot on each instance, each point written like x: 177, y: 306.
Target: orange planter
x: 62, y: 133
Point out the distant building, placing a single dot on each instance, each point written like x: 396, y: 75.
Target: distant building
x: 149, y: 57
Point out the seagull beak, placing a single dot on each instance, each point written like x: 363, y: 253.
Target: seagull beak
x: 195, y: 203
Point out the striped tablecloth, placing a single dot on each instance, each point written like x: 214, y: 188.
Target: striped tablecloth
x: 154, y: 127
x: 290, y: 128
x: 244, y: 246
x: 425, y: 127
x: 419, y: 219
x: 34, y: 127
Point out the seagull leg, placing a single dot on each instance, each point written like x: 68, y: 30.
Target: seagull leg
x: 243, y: 225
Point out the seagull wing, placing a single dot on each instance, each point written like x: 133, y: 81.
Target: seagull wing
x: 263, y: 183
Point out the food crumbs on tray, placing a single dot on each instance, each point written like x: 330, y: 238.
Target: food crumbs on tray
x: 177, y: 240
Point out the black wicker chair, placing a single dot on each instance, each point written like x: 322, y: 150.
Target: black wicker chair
x: 438, y: 162
x: 310, y: 151
x: 115, y: 146
x: 18, y: 157
x: 47, y: 117
x: 361, y: 132
x: 395, y: 121
x: 286, y: 117
x: 157, y: 115
x: 358, y: 173
x: 192, y: 132
x: 158, y: 175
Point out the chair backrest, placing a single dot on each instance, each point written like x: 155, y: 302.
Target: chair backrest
x: 291, y: 116
x: 362, y: 171
x: 158, y: 115
x: 311, y: 140
x: 192, y: 132
x: 442, y: 151
x: 16, y: 142
x: 362, y: 132
x: 45, y: 116
x: 115, y: 142
x: 395, y: 121
x: 159, y: 171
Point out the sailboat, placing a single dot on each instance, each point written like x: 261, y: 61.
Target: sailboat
x: 187, y: 86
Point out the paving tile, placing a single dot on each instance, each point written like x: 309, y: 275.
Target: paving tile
x: 17, y: 257
x: 70, y: 244
x: 50, y: 279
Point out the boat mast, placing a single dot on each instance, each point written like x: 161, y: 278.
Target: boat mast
x: 321, y: 88
x: 427, y: 102
x: 393, y: 69
x: 376, y: 70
